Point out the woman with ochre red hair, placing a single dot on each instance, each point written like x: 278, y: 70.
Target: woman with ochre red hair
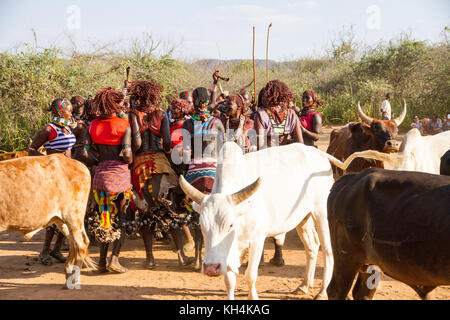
x: 112, y: 180
x: 274, y: 119
x: 310, y: 118
x: 152, y: 173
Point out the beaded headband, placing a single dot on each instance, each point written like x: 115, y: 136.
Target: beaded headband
x: 64, y: 104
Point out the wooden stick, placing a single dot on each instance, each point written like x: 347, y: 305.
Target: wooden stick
x: 254, y: 69
x: 128, y: 73
x: 267, y: 53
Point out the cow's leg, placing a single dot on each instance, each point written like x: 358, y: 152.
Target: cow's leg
x: 310, y: 240
x: 251, y: 274
x: 423, y: 291
x: 230, y: 284
x: 278, y: 242
x: 323, y: 231
x: 78, y: 250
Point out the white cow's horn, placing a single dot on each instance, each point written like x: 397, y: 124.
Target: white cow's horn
x: 191, y: 191
x: 245, y: 193
x: 363, y: 116
x: 402, y: 116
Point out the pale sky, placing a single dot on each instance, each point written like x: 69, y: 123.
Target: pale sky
x: 221, y: 29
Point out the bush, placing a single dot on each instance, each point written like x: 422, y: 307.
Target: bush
x: 415, y: 70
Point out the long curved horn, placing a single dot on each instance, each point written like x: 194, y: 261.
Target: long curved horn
x: 245, y: 193
x: 191, y: 191
x: 402, y: 115
x: 389, y: 158
x: 363, y: 116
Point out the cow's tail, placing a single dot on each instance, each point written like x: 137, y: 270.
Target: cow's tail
x: 78, y: 252
x: 84, y: 254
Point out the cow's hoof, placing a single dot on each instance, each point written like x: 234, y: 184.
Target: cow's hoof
x: 302, y: 289
x: 198, y: 267
x: 321, y: 296
x: 277, y: 261
x: 58, y: 256
x: 45, y: 259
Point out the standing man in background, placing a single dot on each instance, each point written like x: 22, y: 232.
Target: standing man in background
x: 386, y: 107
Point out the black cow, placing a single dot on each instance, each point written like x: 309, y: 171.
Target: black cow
x: 445, y: 164
x: 397, y: 220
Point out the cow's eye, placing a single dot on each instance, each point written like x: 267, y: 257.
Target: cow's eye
x: 231, y: 226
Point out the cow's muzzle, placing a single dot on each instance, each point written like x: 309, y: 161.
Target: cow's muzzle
x: 212, y: 269
x: 391, y: 146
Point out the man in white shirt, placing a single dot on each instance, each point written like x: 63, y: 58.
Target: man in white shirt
x: 435, y: 125
x: 446, y: 124
x: 386, y: 108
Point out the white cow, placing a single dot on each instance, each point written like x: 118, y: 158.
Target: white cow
x: 417, y: 153
x: 264, y: 194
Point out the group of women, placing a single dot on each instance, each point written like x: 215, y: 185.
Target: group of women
x: 136, y: 151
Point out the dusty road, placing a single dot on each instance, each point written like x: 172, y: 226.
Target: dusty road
x: 22, y: 276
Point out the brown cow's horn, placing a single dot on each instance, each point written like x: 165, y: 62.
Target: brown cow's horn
x: 245, y: 193
x: 402, y: 116
x: 363, y: 116
x: 191, y: 191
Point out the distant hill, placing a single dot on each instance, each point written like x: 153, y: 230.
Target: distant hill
x: 211, y: 63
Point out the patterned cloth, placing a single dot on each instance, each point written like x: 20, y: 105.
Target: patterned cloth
x: 201, y: 175
x: 112, y: 177
x: 147, y: 164
x: 107, y: 231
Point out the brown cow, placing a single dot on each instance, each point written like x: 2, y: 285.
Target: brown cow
x: 13, y: 155
x: 36, y: 192
x: 371, y: 134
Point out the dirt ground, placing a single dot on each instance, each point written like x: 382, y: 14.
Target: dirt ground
x: 23, y: 277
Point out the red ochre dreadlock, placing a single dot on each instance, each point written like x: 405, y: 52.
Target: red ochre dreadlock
x: 236, y: 99
x: 107, y: 103
x: 277, y: 93
x: 316, y: 100
x: 145, y: 93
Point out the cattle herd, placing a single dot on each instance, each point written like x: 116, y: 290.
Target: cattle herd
x: 369, y: 200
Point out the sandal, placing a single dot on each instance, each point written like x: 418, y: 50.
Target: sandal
x: 150, y: 264
x: 188, y: 261
x: 116, y: 267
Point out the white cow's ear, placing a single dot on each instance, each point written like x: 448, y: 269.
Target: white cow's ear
x: 196, y: 207
x: 245, y: 193
x: 243, y: 208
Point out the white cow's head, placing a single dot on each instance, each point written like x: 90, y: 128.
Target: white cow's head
x: 218, y: 216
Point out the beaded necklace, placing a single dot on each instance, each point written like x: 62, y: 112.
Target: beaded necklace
x: 60, y: 122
